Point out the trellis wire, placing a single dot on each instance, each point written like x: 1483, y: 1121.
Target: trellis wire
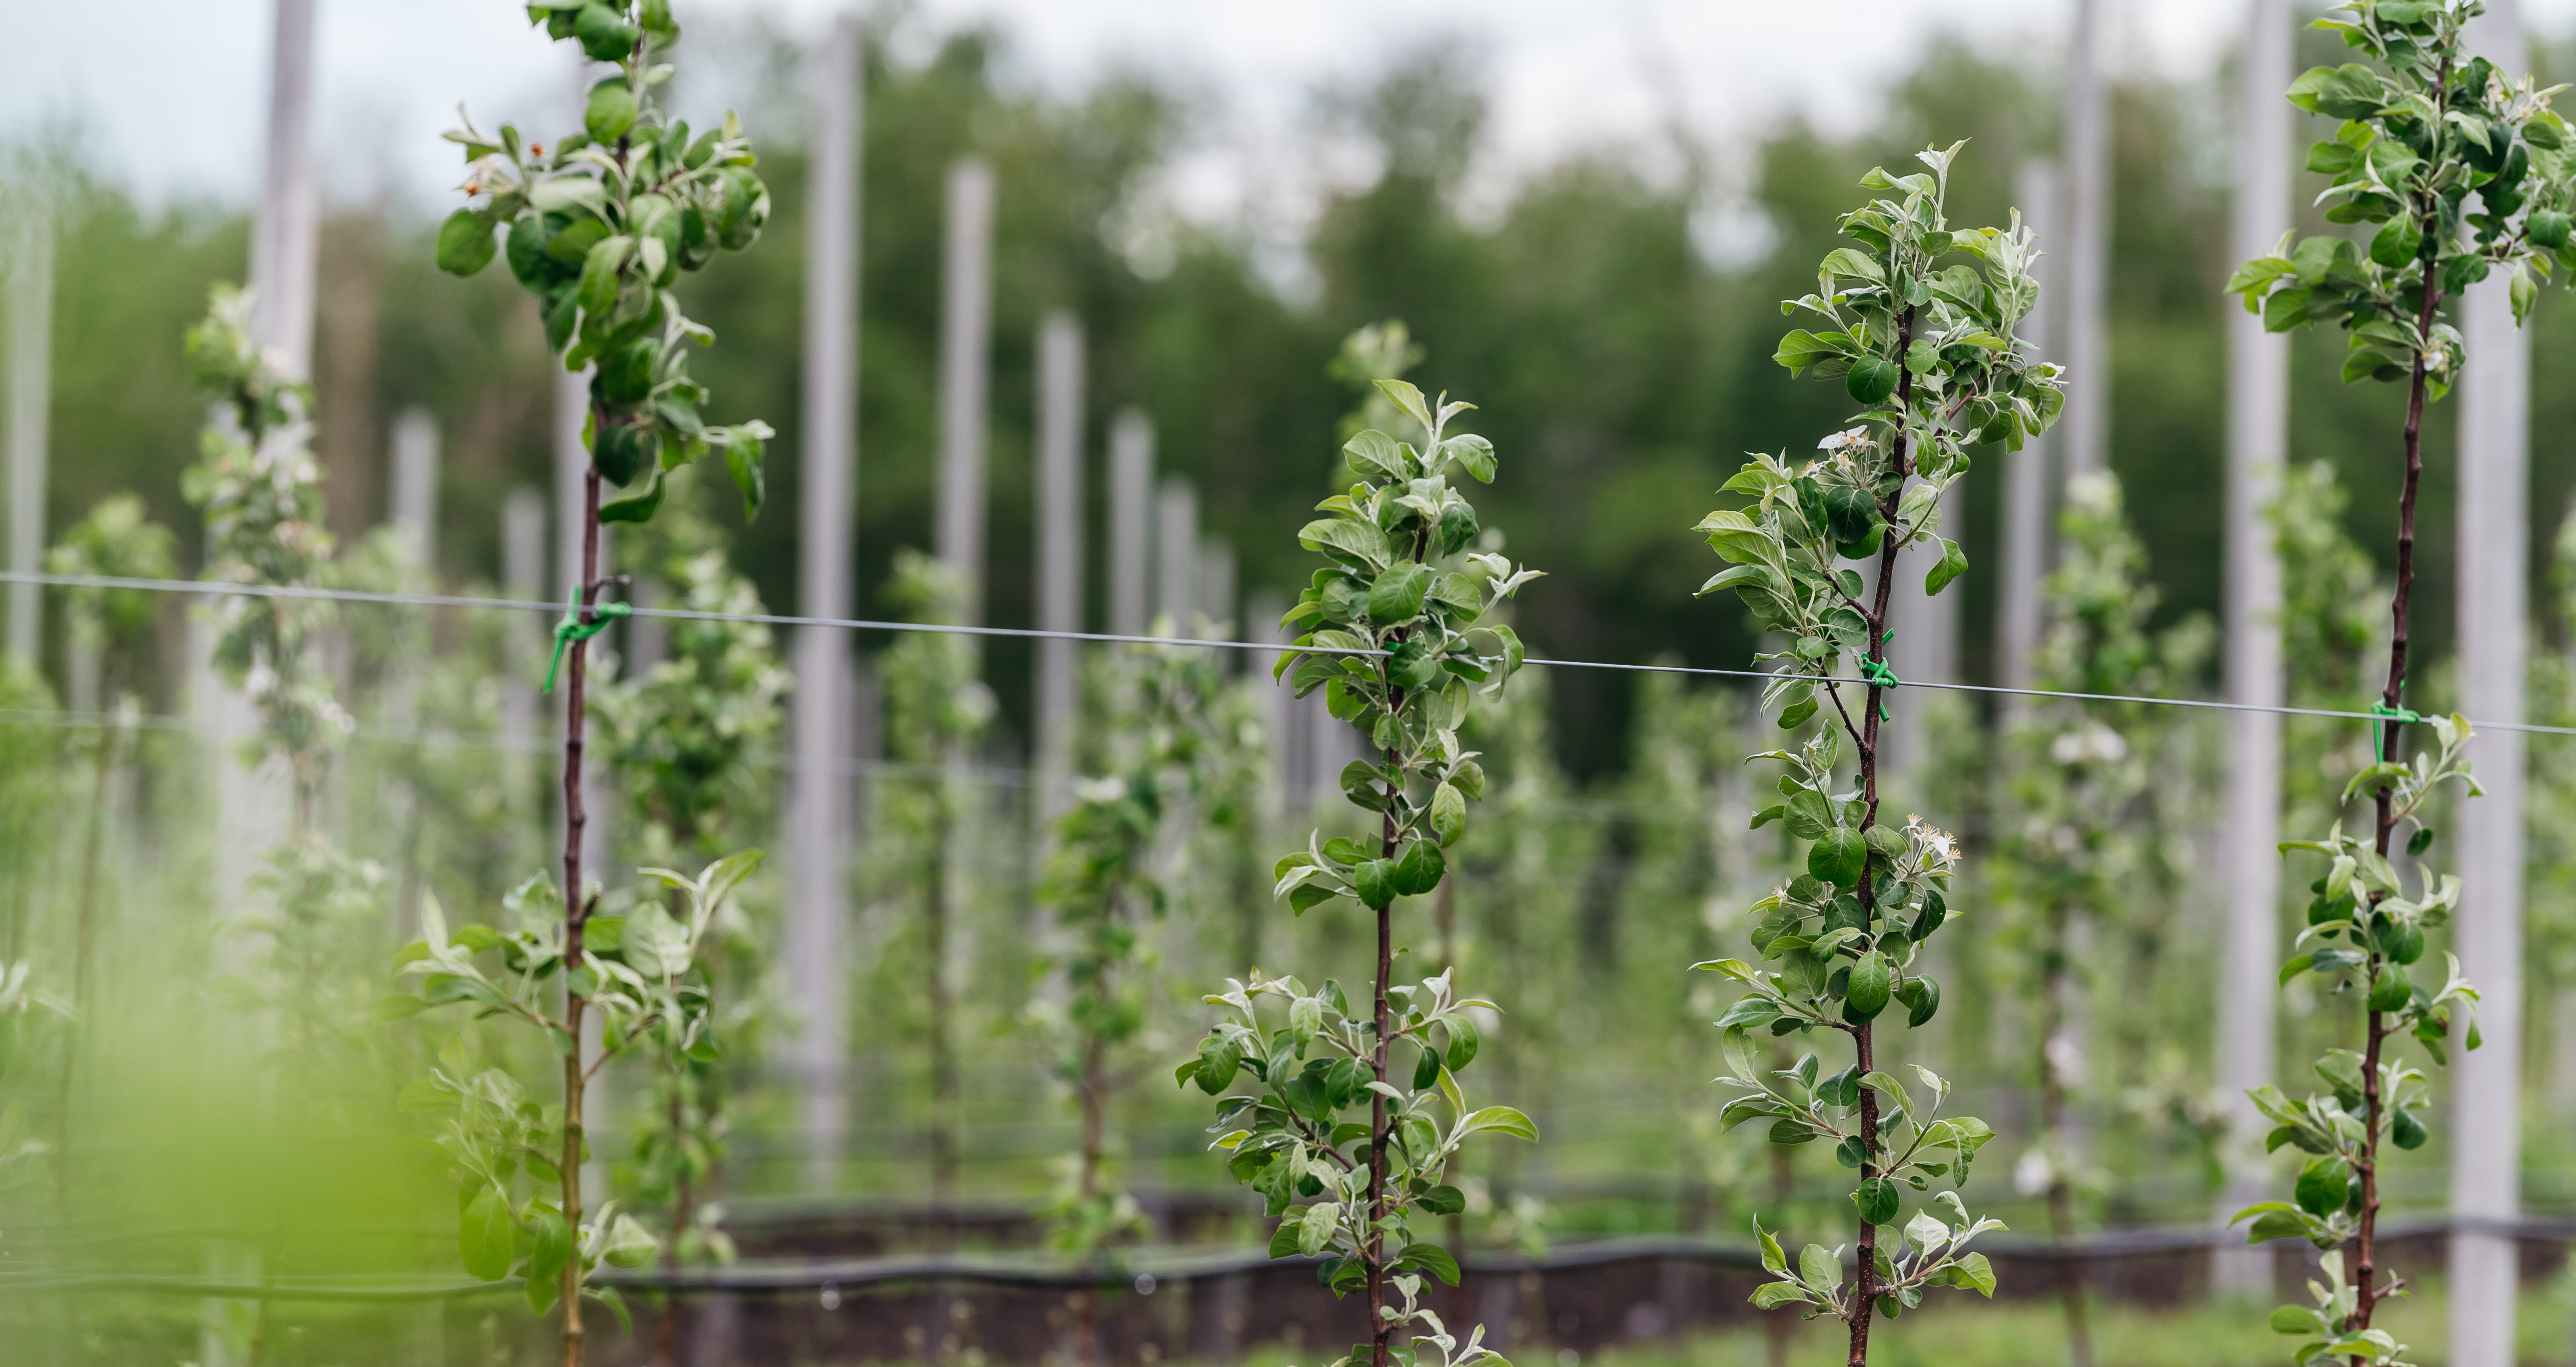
x: 216, y: 589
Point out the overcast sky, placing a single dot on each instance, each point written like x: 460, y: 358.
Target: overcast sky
x: 171, y: 92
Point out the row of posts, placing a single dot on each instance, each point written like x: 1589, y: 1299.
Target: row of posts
x: 2071, y: 208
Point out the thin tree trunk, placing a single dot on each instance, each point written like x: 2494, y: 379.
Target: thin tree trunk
x: 2365, y: 1264
x: 1373, y: 1248
x: 1863, y: 1296
x: 576, y: 909
x: 1444, y: 914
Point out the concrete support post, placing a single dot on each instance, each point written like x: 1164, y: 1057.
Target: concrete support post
x: 31, y: 333
x: 2495, y: 568
x: 285, y: 222
x: 965, y: 373
x: 1131, y: 496
x: 1215, y: 595
x: 523, y: 578
x: 819, y: 804
x: 415, y: 487
x: 2258, y: 440
x: 282, y: 295
x: 1059, y: 550
x: 2085, y: 426
x: 2024, y: 534
x: 1176, y: 553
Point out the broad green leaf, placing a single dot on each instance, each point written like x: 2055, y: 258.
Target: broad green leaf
x: 484, y: 1235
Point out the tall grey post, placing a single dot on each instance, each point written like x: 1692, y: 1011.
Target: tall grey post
x: 1131, y: 494
x: 965, y: 379
x: 414, y: 516
x: 282, y: 294
x: 1059, y: 548
x: 29, y: 400
x: 2258, y: 440
x: 2085, y: 283
x: 415, y: 487
x: 523, y: 579
x: 1925, y: 649
x: 31, y: 333
x: 284, y: 224
x: 2025, y: 494
x: 2495, y: 459
x: 1176, y: 554
x: 818, y: 802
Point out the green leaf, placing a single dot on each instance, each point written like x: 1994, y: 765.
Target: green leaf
x: 1373, y: 452
x: 1431, y: 1258
x: 1419, y: 869
x: 604, y: 33
x: 1954, y: 562
x: 1802, y: 349
x: 1407, y: 400
x: 599, y: 271
x: 610, y: 112
x: 1462, y: 1043
x: 1773, y: 1295
x: 1868, y: 991
x: 635, y: 507
x: 465, y: 243
x: 744, y: 447
x: 1819, y: 1268
x: 1877, y: 1199
x: 1349, y: 540
x: 2350, y: 91
x: 1502, y: 1120
x: 2324, y: 1185
x: 2298, y: 1319
x: 1871, y: 380
x: 1316, y: 1228
x: 1473, y: 452
x: 484, y: 1234
x: 1749, y: 1011
x: 1448, y: 813
x: 1838, y: 856
x: 1374, y: 879
x: 1396, y: 597
x: 1974, y: 1273
x: 1774, y: 1261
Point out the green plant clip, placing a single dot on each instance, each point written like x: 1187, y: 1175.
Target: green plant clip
x: 1881, y: 675
x: 572, y: 629
x: 2403, y: 716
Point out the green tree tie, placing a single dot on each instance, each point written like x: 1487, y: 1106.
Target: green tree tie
x: 572, y: 629
x: 2403, y: 716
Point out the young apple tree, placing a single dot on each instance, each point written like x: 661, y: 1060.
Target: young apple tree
x: 599, y: 229
x: 1918, y: 323
x: 2466, y: 172
x: 1333, y: 1114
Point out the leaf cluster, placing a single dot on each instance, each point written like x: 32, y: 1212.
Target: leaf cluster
x: 1934, y: 1254
x: 600, y: 229
x: 1300, y: 1132
x: 1843, y: 957
x: 1395, y: 634
x: 2466, y: 171
x: 646, y: 974
x: 2322, y: 1329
